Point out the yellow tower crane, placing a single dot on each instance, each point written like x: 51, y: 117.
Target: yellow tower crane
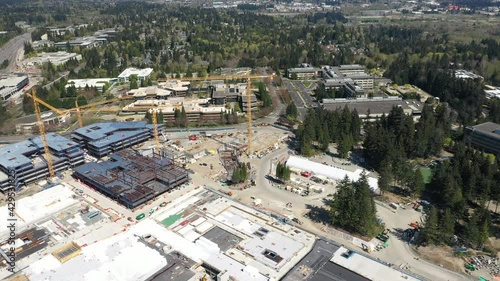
x: 41, y: 127
x: 154, y: 119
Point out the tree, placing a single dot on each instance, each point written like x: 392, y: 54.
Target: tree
x: 447, y: 225
x: 291, y: 111
x: 431, y: 228
x: 353, y: 207
x: 283, y: 172
x: 417, y: 184
x: 384, y: 177
x: 133, y: 82
x: 345, y: 145
x: 5, y: 63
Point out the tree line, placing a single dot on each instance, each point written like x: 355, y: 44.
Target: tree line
x: 322, y: 127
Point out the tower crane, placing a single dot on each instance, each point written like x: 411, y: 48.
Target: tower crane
x: 155, y: 129
x: 43, y: 136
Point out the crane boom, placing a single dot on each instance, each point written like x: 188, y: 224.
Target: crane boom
x: 41, y: 127
x: 37, y: 100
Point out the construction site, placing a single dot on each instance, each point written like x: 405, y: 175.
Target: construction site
x: 131, y: 178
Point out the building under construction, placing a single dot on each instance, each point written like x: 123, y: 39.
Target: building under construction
x: 132, y: 179
x: 24, y: 162
x: 102, y: 139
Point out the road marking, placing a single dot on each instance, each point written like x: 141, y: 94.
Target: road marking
x: 300, y: 96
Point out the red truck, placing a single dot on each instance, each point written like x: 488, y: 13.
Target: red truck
x: 193, y: 137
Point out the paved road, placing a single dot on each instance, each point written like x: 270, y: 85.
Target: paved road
x: 9, y: 51
x: 300, y: 103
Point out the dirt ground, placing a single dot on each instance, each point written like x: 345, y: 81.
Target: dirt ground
x: 442, y: 256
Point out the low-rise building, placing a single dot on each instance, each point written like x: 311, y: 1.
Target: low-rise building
x: 29, y: 124
x: 349, y: 73
x: 152, y: 92
x: 102, y: 139
x: 351, y: 69
x: 303, y: 72
x: 465, y: 74
x: 373, y: 108
x: 98, y: 83
x: 197, y: 110
x: 344, y: 83
x: 12, y: 84
x: 177, y: 87
x: 24, y: 162
x: 485, y: 136
x: 57, y: 58
x: 142, y: 74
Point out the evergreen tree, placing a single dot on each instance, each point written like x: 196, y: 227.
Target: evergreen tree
x: 384, y: 177
x: 447, y: 225
x: 291, y: 111
x: 431, y: 228
x: 345, y: 145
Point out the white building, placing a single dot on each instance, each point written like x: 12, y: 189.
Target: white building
x: 32, y: 209
x: 149, y: 93
x: 330, y: 172
x: 98, y: 83
x: 11, y: 85
x: 142, y: 74
x: 27, y: 124
x: 121, y: 257
x: 57, y: 58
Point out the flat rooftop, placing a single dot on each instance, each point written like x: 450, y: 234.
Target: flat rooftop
x: 39, y: 206
x: 106, y: 130
x: 374, y: 106
x: 489, y: 128
x: 15, y: 155
x: 368, y: 268
x: 135, y: 71
x: 229, y: 236
x: 121, y: 257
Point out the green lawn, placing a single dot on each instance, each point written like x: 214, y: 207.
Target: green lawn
x: 307, y: 84
x: 426, y: 174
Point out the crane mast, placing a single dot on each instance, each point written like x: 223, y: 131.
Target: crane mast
x: 43, y: 136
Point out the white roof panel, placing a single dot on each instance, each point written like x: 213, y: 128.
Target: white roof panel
x: 328, y: 171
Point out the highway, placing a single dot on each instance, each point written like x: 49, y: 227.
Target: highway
x: 9, y: 51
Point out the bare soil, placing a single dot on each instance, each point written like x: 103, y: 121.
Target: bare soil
x: 442, y: 255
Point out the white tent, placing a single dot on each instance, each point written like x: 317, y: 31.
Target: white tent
x: 328, y: 171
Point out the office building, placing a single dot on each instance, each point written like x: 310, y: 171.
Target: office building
x: 24, y: 162
x: 373, y: 108
x: 29, y: 124
x: 12, y: 84
x: 102, y: 139
x: 485, y: 137
x: 142, y: 74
